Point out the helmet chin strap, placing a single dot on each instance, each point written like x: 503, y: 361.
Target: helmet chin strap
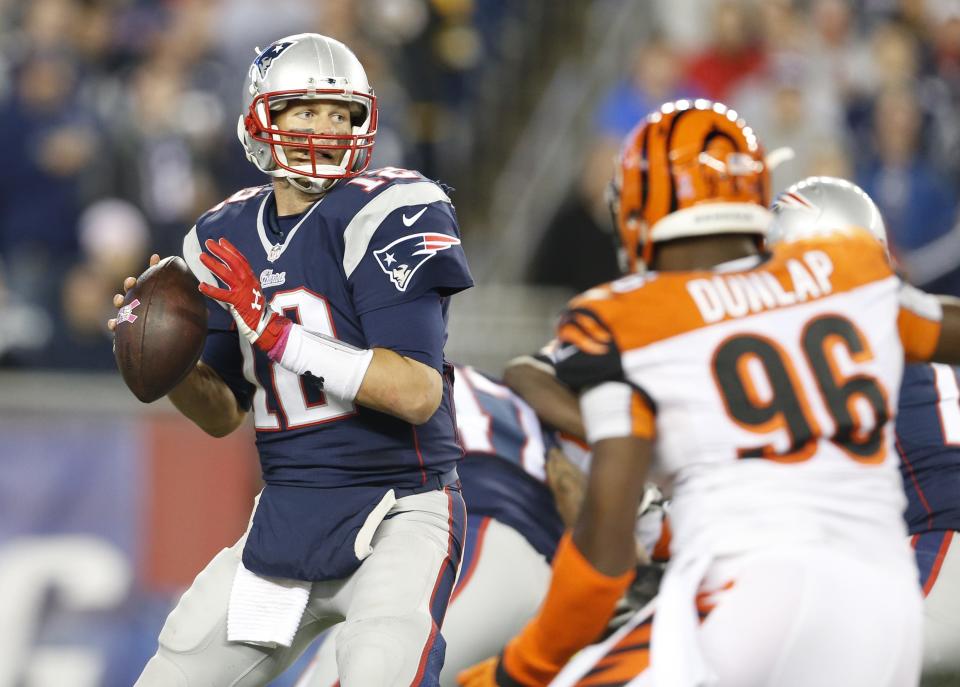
x: 305, y: 184
x: 311, y: 186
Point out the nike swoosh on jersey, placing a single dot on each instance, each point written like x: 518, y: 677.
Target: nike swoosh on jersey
x: 410, y: 221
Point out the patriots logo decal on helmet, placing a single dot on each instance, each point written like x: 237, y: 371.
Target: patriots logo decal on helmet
x: 402, y: 258
x: 266, y: 58
x: 795, y: 199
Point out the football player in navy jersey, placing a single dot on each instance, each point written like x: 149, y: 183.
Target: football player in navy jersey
x: 328, y: 291
x: 928, y: 439
x: 522, y: 484
x: 927, y: 431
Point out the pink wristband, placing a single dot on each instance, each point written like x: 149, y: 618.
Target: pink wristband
x: 276, y: 353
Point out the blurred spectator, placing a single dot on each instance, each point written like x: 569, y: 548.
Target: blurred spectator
x: 734, y: 53
x: 239, y: 26
x: 395, y: 22
x: 438, y: 68
x: 26, y: 328
x: 895, y: 58
x: 946, y: 42
x: 577, y: 250
x: 893, y: 63
x: 783, y: 28
x: 159, y: 146
x: 682, y: 23
x: 837, y: 58
x: 654, y: 78
x: 896, y: 65
x: 914, y: 15
x: 93, y: 33
x: 918, y: 208
x: 789, y: 109
x: 49, y: 140
x: 47, y: 22
x: 113, y: 236
x: 394, y: 135
x: 830, y: 158
x: 943, y: 91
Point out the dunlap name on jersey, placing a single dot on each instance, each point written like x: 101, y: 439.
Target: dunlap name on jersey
x: 737, y: 295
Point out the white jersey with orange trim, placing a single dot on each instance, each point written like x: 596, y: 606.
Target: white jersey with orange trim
x: 768, y: 386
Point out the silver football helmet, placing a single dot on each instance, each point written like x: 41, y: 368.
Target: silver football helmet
x: 821, y: 205
x: 307, y: 66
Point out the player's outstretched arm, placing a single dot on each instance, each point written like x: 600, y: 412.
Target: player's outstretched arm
x: 376, y: 378
x: 554, y: 403
x: 400, y: 386
x: 604, y: 532
x: 206, y: 400
x: 568, y: 483
x: 203, y: 397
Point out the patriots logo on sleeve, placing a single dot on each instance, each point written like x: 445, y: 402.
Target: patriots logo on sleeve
x: 402, y: 258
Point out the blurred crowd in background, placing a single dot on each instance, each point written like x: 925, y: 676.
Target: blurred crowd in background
x: 868, y: 90
x: 118, y: 118
x: 118, y: 124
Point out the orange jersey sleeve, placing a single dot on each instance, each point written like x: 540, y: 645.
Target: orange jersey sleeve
x: 587, y: 359
x: 919, y: 323
x: 578, y: 605
x: 585, y: 353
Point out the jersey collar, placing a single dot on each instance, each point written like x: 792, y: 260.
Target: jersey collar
x: 275, y: 250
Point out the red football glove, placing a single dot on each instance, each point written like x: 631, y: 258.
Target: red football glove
x: 259, y: 324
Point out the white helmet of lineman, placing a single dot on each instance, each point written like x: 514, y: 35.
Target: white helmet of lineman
x: 821, y: 205
x: 307, y: 66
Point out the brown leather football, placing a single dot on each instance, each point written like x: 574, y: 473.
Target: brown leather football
x: 160, y: 329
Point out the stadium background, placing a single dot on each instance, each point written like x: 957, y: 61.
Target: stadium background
x: 117, y: 122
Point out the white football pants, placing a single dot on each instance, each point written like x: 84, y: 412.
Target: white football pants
x: 501, y: 585
x: 390, y: 604
x: 800, y: 618
x: 938, y: 557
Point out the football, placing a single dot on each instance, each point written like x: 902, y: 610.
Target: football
x: 160, y: 329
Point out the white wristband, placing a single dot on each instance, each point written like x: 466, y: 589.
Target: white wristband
x: 606, y: 411
x: 340, y: 366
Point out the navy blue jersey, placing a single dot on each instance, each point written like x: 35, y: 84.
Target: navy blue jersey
x: 928, y: 440
x: 333, y: 268
x: 374, y: 253
x: 503, y: 472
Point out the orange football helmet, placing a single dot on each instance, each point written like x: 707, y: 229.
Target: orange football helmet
x: 692, y: 168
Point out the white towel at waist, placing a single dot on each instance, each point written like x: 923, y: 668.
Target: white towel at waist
x: 265, y: 610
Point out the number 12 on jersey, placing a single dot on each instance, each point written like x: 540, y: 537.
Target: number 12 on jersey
x: 288, y: 389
